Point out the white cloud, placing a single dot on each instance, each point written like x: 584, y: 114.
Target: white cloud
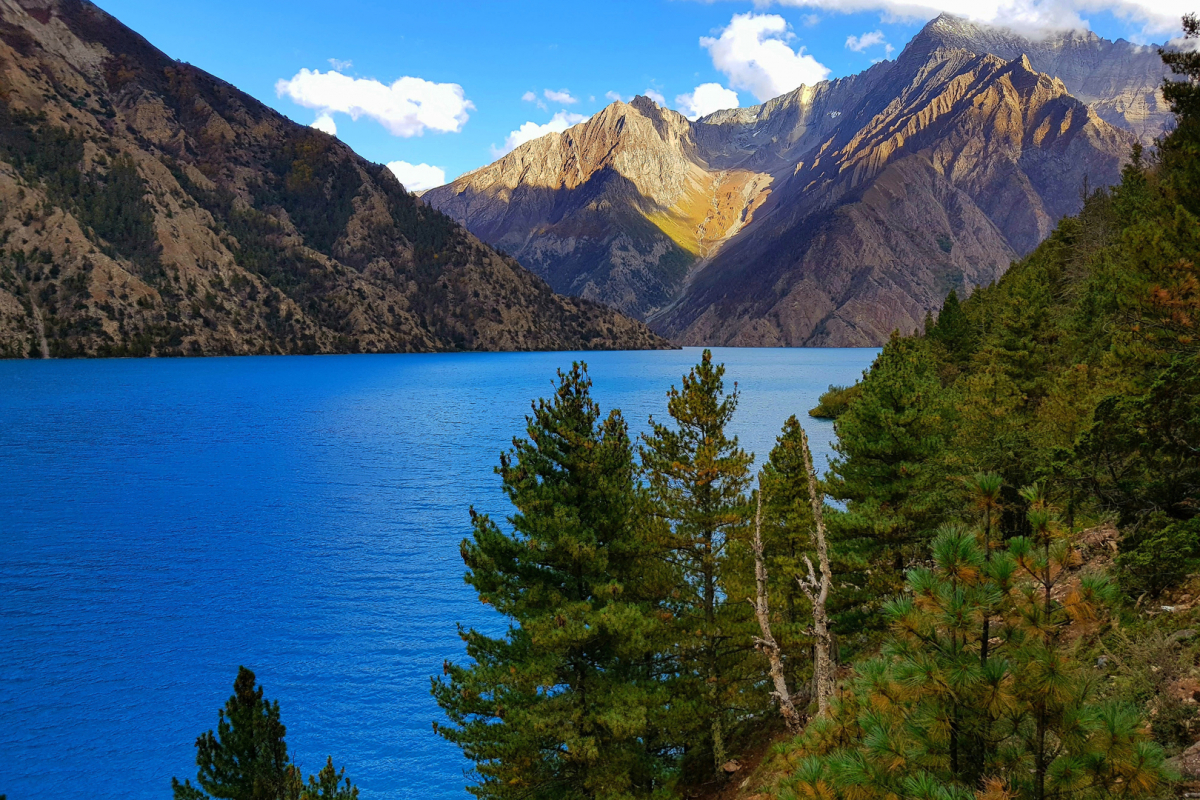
x: 339, y: 65
x: 810, y: 20
x: 530, y: 97
x: 616, y: 97
x: 656, y: 96
x: 561, y: 96
x: 325, y: 123
x: 1185, y: 44
x: 860, y: 43
x: 418, y: 177
x: 705, y: 99
x: 1154, y: 16
x: 407, y: 107
x: 531, y: 130
x: 753, y: 52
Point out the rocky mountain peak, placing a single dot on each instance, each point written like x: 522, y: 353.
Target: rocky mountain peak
x: 832, y: 214
x: 1118, y: 80
x: 646, y: 105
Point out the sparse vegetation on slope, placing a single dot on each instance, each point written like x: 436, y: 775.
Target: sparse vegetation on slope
x: 147, y: 208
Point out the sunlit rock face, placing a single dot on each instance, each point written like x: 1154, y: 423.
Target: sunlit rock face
x: 836, y: 213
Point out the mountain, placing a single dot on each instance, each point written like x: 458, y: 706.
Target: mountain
x: 149, y: 208
x: 835, y: 213
x: 1118, y: 80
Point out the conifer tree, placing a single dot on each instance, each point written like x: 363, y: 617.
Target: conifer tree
x: 247, y: 757
x: 954, y: 331
x: 887, y: 471
x: 565, y: 704
x: 786, y: 532
x: 329, y: 784
x: 1181, y: 150
x: 698, y: 475
x: 928, y: 719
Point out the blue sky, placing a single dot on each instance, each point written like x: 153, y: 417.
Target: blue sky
x: 446, y: 83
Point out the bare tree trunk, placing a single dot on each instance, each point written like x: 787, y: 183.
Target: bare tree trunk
x: 767, y: 643
x: 817, y: 591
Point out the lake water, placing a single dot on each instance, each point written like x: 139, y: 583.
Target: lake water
x: 162, y: 522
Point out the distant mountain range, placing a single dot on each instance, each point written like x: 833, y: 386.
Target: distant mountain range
x: 148, y: 208
x: 836, y: 213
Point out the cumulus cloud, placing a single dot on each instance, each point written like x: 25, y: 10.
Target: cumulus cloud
x: 705, y: 99
x: 417, y: 177
x: 407, y: 107
x: 860, y: 43
x: 754, y: 53
x: 561, y: 96
x: 656, y: 96
x: 531, y: 130
x: 339, y: 65
x: 1154, y: 16
x: 325, y: 123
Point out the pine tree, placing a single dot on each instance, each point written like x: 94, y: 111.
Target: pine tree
x: 786, y: 526
x: 1180, y: 151
x: 954, y: 331
x: 329, y: 784
x: 698, y: 476
x: 247, y: 757
x: 565, y: 704
x: 929, y: 719
x: 789, y: 597
x: 887, y: 471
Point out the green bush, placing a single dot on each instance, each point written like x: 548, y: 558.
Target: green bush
x: 835, y: 400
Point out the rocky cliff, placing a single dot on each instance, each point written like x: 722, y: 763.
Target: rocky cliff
x: 831, y: 215
x: 148, y: 208
x: 1118, y: 80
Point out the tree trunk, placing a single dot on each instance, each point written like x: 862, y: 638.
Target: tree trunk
x: 711, y: 655
x: 767, y: 643
x: 818, y: 590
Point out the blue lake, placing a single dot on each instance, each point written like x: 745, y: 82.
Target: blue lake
x: 162, y: 522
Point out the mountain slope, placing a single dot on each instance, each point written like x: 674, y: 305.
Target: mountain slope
x: 148, y: 208
x: 835, y: 213
x: 970, y: 166
x: 1118, y: 80
x: 588, y: 208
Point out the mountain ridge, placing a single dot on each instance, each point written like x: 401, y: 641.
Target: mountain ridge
x: 738, y: 189
x: 149, y: 208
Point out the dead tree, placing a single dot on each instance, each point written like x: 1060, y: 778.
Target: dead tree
x: 766, y: 643
x: 817, y: 590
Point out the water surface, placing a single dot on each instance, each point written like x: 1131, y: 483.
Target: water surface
x: 163, y: 521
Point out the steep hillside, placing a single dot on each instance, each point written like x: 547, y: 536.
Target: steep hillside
x: 966, y: 168
x: 593, y: 210
x: 148, y: 208
x: 833, y: 214
x: 1118, y: 80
